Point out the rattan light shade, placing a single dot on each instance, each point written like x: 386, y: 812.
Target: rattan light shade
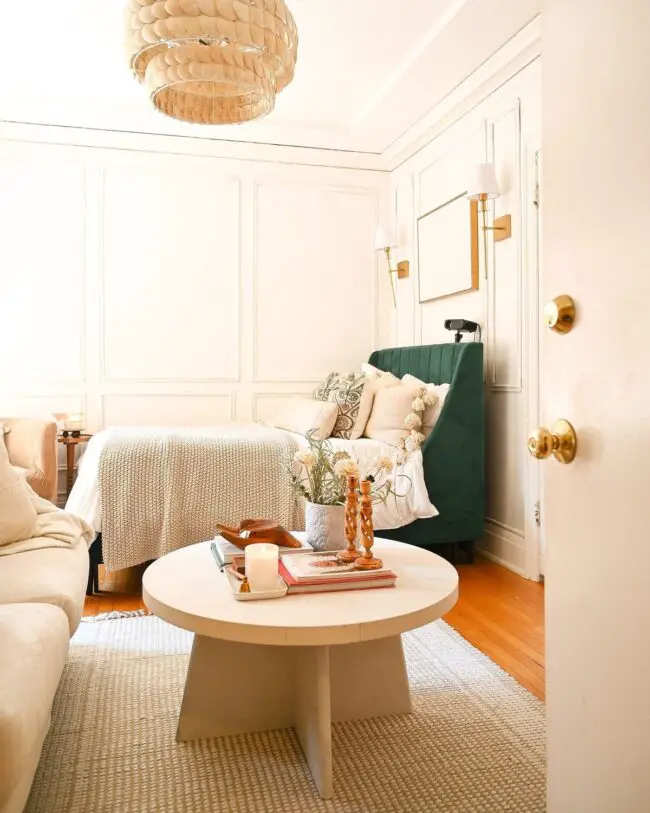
x: 212, y: 61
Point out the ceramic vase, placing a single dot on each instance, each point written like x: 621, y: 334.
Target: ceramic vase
x: 325, y: 526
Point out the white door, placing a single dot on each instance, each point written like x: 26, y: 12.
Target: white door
x: 596, y: 247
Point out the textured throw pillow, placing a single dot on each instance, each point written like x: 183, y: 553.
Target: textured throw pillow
x: 305, y: 415
x: 353, y: 397
x: 17, y: 514
x: 379, y: 378
x: 387, y: 421
x: 431, y: 413
x: 322, y: 391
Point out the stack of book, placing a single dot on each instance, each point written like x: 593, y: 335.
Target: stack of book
x: 321, y: 573
x: 224, y: 551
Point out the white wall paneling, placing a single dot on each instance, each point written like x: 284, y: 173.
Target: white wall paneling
x: 501, y: 126
x: 323, y: 235
x: 170, y: 272
x: 505, y: 303
x: 168, y: 287
x: 163, y: 409
x: 42, y: 211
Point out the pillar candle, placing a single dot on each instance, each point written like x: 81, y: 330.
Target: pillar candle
x: 262, y: 566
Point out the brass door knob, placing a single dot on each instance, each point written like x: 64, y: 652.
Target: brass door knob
x: 561, y: 442
x: 560, y: 314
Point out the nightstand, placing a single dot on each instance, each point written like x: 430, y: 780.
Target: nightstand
x: 70, y: 442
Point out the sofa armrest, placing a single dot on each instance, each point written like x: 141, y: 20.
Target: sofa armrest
x: 32, y: 446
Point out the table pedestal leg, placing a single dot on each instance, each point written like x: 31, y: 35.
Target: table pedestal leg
x: 236, y: 688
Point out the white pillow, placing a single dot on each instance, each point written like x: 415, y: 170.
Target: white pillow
x: 379, y: 378
x: 432, y: 413
x: 388, y: 416
x: 17, y: 514
x: 303, y: 415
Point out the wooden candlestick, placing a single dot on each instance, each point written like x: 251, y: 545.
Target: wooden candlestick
x: 367, y: 561
x: 352, y: 553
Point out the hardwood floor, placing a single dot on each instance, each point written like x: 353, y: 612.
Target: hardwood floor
x: 498, y: 612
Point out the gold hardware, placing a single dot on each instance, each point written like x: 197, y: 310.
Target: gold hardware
x: 560, y: 314
x: 561, y: 442
x: 502, y: 228
x: 244, y: 587
x: 403, y: 269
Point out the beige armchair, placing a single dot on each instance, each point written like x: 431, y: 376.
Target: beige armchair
x: 31, y: 444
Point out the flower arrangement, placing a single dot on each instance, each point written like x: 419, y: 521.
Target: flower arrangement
x: 319, y: 474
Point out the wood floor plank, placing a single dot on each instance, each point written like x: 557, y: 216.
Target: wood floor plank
x: 498, y: 612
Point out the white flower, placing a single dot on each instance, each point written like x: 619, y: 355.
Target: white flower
x: 430, y: 399
x: 346, y: 468
x: 386, y: 464
x: 418, y: 438
x: 421, y: 392
x: 418, y: 405
x: 306, y: 458
x: 410, y: 444
x: 413, y: 421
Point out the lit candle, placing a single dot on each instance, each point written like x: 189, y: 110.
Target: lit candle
x: 262, y: 566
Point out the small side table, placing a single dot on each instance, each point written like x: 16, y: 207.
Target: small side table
x: 71, y: 444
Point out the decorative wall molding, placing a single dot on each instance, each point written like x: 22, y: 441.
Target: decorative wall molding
x: 373, y: 194
x: 230, y: 397
x: 361, y: 194
x: 514, y: 57
x: 512, y: 110
x: 278, y: 396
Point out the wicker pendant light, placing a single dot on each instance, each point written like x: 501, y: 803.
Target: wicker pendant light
x: 212, y: 61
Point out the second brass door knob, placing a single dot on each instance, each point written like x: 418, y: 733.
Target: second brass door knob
x: 561, y: 442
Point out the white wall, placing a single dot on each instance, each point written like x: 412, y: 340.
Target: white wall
x: 152, y: 286
x: 501, y: 126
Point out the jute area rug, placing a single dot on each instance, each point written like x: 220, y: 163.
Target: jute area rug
x: 475, y: 742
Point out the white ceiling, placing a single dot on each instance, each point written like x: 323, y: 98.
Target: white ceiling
x: 367, y: 71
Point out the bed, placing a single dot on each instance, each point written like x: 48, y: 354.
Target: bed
x: 454, y: 453
x: 445, y: 503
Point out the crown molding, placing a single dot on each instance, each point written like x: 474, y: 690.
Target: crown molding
x: 524, y: 48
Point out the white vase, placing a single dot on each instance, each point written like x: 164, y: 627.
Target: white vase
x: 325, y: 526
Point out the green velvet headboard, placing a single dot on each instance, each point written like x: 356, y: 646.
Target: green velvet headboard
x: 454, y: 453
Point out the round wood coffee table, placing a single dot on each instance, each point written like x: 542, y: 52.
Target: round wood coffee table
x: 303, y: 661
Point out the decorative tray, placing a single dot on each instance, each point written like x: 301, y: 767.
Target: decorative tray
x: 279, y: 592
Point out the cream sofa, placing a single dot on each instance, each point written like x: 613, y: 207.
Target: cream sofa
x: 31, y: 444
x: 43, y: 577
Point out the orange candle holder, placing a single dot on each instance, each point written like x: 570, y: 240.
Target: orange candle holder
x: 367, y: 561
x: 352, y: 553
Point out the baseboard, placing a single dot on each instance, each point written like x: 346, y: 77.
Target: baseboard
x: 504, y: 545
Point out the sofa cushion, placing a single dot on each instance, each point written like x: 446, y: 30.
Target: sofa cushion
x: 56, y: 576
x: 33, y: 649
x: 17, y: 514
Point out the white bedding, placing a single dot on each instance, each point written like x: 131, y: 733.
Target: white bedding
x: 84, y: 498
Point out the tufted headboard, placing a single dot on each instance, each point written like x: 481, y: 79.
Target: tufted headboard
x: 454, y: 457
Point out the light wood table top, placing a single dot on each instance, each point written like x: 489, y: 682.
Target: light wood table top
x: 187, y: 589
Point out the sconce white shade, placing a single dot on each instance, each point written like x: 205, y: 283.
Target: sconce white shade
x: 482, y: 180
x: 384, y: 238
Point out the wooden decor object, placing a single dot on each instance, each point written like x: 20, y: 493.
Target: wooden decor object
x: 367, y: 561
x: 215, y: 61
x: 351, y: 522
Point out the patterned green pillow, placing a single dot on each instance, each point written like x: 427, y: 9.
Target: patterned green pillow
x: 353, y: 395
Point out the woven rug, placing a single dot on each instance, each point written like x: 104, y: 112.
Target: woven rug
x: 475, y: 742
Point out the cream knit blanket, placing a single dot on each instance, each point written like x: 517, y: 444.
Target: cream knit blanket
x: 161, y: 491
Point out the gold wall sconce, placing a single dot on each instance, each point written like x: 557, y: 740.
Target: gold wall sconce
x: 385, y: 241
x: 482, y: 187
